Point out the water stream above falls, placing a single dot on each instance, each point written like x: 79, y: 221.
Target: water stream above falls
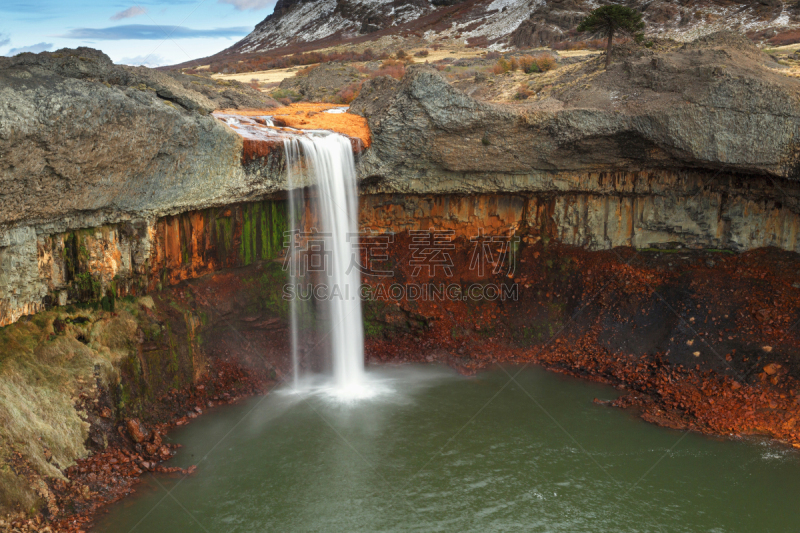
x: 447, y: 453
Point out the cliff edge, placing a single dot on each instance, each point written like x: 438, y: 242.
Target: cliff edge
x: 717, y: 104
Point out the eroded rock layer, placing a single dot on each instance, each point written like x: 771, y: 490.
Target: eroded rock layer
x: 668, y: 211
x: 112, y: 186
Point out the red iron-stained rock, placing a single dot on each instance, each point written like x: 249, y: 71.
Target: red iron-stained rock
x: 137, y: 431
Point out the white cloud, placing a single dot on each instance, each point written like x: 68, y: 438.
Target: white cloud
x: 152, y: 60
x: 151, y: 32
x: 35, y: 48
x: 243, y: 5
x: 134, y: 11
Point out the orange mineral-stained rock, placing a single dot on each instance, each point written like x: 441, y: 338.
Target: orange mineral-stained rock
x: 258, y: 149
x: 310, y: 116
x: 137, y: 431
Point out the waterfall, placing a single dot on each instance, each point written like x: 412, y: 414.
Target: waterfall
x: 291, y: 149
x: 329, y: 162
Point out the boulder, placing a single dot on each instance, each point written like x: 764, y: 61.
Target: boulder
x: 712, y: 104
x: 323, y: 82
x: 138, y: 432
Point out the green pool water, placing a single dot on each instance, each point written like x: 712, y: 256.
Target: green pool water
x: 442, y: 452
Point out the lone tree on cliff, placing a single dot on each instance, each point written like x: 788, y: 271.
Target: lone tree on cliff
x: 611, y: 19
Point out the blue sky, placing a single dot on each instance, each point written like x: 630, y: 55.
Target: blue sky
x: 131, y: 32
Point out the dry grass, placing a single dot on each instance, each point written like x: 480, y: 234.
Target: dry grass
x: 312, y: 117
x: 278, y: 75
x: 264, y: 76
x: 42, y: 374
x: 577, y: 53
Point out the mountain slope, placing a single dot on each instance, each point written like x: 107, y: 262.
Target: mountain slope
x: 499, y: 23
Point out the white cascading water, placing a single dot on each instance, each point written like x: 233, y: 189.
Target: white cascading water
x: 329, y: 160
x: 291, y: 149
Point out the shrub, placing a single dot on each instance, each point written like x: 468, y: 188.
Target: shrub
x: 570, y: 45
x: 591, y: 44
x: 286, y: 94
x: 305, y: 71
x: 524, y: 92
x: 395, y: 72
x: 401, y: 54
x: 493, y: 55
x: 462, y: 74
x: 422, y: 53
x: 349, y: 93
x: 502, y: 66
x: 545, y: 62
x: 513, y: 64
x: 527, y: 64
x: 390, y: 67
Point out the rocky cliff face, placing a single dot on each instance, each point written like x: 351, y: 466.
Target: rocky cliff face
x: 714, y: 105
x: 87, y: 144
x: 696, y: 145
x: 113, y: 189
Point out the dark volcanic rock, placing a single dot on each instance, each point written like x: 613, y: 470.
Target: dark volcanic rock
x: 225, y: 94
x: 323, y: 82
x: 85, y: 143
x: 80, y: 135
x: 711, y: 104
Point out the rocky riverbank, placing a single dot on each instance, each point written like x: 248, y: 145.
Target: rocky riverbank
x: 697, y: 340
x: 96, y: 391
